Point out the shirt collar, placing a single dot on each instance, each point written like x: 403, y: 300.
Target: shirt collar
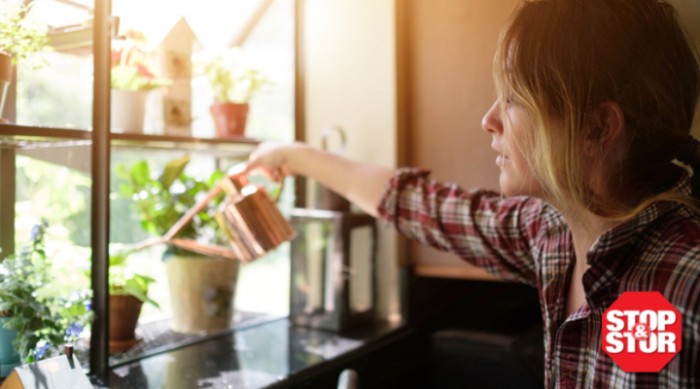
x: 613, y: 252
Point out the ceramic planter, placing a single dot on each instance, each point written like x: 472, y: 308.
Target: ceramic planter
x: 229, y: 119
x: 128, y: 111
x: 9, y: 358
x: 124, y: 311
x: 202, y: 292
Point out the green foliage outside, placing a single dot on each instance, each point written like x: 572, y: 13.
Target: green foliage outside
x: 56, y: 193
x: 124, y: 280
x: 160, y: 202
x: 18, y: 37
x: 43, y: 313
x: 231, y: 78
x: 68, y: 78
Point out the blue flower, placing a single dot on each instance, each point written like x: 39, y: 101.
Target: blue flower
x: 74, y: 330
x: 88, y: 305
x: 39, y: 353
x: 36, y: 230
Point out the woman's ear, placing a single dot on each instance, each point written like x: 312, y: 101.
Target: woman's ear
x: 606, y: 125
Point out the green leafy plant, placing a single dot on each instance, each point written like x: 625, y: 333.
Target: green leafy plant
x: 18, y: 37
x: 123, y: 280
x: 160, y: 202
x: 129, y: 69
x: 43, y: 318
x: 231, y: 78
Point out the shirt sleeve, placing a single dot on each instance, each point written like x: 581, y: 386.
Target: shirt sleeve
x: 491, y: 232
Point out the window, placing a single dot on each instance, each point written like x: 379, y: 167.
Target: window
x: 45, y: 152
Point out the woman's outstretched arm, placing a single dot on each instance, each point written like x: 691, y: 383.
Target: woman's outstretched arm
x: 361, y: 183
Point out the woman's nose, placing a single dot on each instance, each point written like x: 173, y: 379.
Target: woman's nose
x: 491, y: 122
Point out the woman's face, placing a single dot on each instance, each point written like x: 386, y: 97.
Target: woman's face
x: 506, y: 121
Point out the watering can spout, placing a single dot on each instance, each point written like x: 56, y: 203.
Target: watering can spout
x: 248, y: 217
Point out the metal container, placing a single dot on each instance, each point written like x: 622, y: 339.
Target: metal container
x: 333, y: 272
x: 248, y: 217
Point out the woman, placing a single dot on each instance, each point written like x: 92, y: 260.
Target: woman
x: 591, y: 130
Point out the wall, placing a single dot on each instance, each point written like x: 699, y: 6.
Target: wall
x: 689, y: 11
x: 350, y: 81
x: 450, y: 48
x: 409, y: 81
x: 449, y: 51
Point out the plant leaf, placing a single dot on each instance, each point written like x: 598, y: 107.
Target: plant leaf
x: 173, y: 170
x: 140, y: 173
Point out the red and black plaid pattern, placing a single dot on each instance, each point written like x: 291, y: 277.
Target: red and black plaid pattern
x: 526, y: 240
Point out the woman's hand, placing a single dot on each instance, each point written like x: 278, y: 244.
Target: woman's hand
x: 361, y: 183
x: 275, y: 159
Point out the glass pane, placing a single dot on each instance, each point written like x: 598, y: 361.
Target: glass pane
x: 311, y: 257
x: 46, y: 186
x: 53, y: 184
x: 185, y: 32
x: 361, y: 269
x: 57, y: 94
x: 262, y: 285
x: 54, y: 86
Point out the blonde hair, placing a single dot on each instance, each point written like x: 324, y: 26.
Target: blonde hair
x: 561, y: 59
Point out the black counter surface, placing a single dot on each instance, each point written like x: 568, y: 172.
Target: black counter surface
x: 272, y: 354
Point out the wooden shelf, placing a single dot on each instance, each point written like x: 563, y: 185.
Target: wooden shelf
x: 234, y: 147
x: 16, y: 131
x: 28, y: 137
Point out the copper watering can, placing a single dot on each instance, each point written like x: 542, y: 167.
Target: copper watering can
x: 248, y: 217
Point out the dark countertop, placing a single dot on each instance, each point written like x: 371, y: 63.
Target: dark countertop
x: 272, y: 354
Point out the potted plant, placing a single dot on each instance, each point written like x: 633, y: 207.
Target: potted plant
x: 131, y: 80
x: 234, y: 83
x: 34, y: 309
x: 18, y: 40
x: 128, y: 290
x: 201, y: 288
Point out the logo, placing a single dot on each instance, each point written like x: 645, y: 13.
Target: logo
x: 641, y: 332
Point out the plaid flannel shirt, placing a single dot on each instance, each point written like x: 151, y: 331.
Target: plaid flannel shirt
x: 525, y: 240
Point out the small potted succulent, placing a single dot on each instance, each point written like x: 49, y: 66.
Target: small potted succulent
x: 131, y: 80
x: 128, y: 291
x: 19, y: 39
x: 40, y: 316
x: 234, y: 83
x: 201, y: 287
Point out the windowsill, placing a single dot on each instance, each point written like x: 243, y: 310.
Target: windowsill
x: 269, y: 354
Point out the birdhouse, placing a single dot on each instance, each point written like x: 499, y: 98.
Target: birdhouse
x: 174, y: 57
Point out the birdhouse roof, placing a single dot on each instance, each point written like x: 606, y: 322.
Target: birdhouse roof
x: 180, y: 32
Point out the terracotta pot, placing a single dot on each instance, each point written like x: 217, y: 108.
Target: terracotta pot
x: 5, y: 78
x: 124, y: 311
x: 202, y: 291
x: 229, y: 119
